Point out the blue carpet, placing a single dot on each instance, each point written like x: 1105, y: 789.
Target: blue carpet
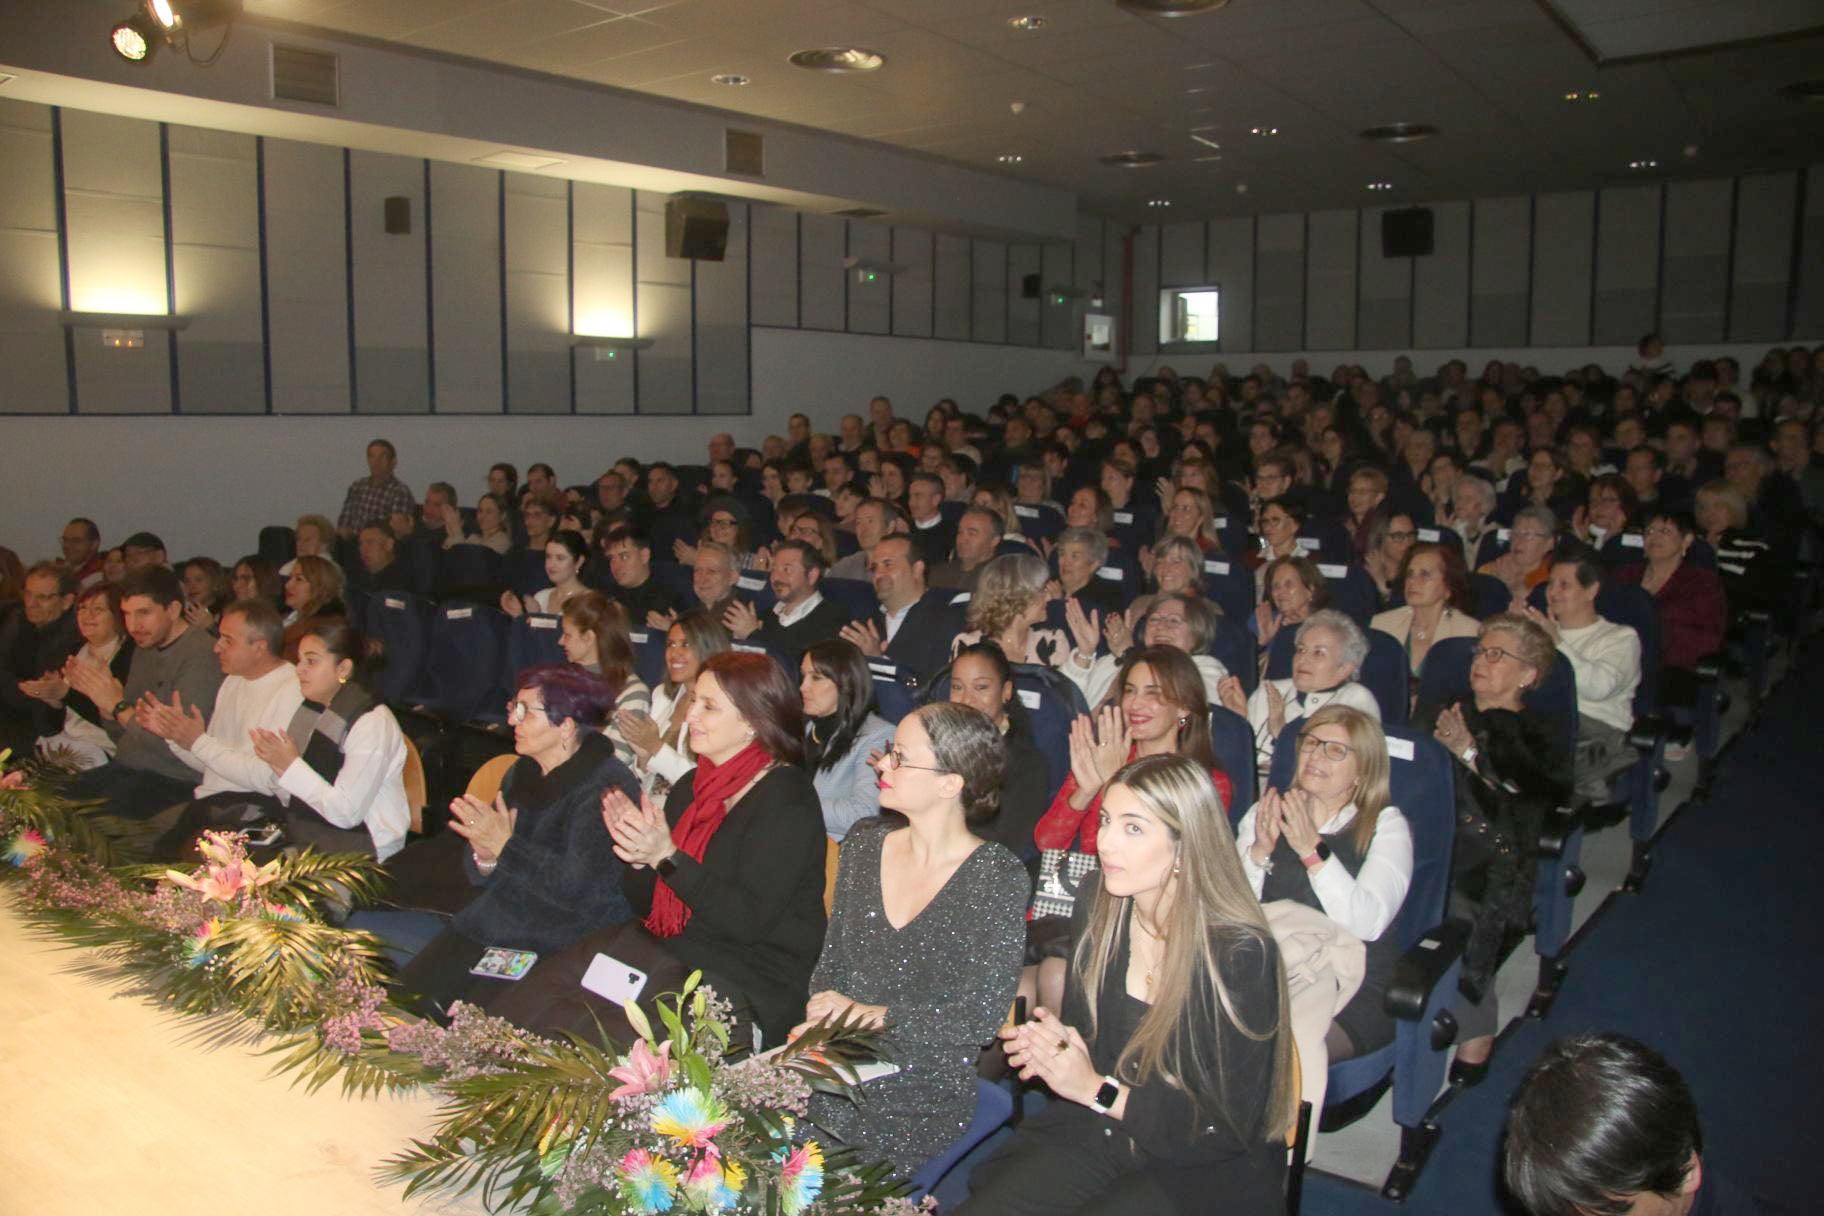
x: 1712, y: 965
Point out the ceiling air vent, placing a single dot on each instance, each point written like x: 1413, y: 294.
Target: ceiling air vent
x: 745, y: 153
x: 301, y: 75
x: 860, y: 213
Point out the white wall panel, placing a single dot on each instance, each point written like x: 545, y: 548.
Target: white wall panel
x: 392, y: 335
x: 1501, y: 269
x: 1627, y: 264
x: 954, y: 287
x: 988, y: 291
x: 215, y: 233
x: 1763, y: 256
x: 1562, y: 266
x: 721, y: 321
x: 664, y: 369
x: 464, y: 219
x: 1694, y: 279
x: 1330, y: 277
x: 912, y: 288
x: 1384, y: 294
x: 1279, y: 287
x: 775, y: 264
x: 31, y: 276
x: 114, y: 209
x: 1231, y: 270
x: 307, y: 278
x: 1440, y: 315
x: 601, y: 288
x: 868, y: 302
x: 820, y: 271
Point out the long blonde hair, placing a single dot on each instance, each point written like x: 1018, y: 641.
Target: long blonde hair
x: 1373, y: 777
x: 1212, y: 911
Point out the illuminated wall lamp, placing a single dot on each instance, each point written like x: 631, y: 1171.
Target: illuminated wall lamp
x: 610, y: 349
x: 123, y: 330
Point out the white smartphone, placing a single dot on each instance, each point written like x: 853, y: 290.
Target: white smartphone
x: 613, y: 980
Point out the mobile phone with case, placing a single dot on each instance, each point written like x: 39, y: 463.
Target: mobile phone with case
x: 500, y: 963
x: 612, y: 980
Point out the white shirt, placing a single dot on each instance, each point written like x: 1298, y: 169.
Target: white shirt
x: 224, y: 752
x: 1606, y: 659
x: 1364, y: 903
x: 668, y: 762
x: 1096, y: 678
x: 894, y: 619
x: 370, y: 788
x: 791, y: 616
x: 1349, y: 693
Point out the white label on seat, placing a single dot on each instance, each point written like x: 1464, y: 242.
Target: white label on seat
x: 394, y: 603
x: 961, y: 597
x: 1329, y: 570
x: 890, y: 670
x: 1111, y: 573
x: 1430, y: 536
x: 749, y: 583
x: 1633, y: 540
x: 1399, y: 749
x: 639, y: 638
x: 459, y: 614
x: 546, y: 622
x: 1124, y: 517
x: 1307, y: 544
x: 1501, y: 534
x: 883, y: 677
x: 1028, y: 697
x: 1026, y: 512
x: 744, y: 648
x: 1216, y: 567
x: 1221, y: 521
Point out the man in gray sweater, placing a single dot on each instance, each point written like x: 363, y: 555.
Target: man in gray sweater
x: 172, y: 657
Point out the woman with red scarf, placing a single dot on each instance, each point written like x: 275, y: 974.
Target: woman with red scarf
x: 726, y: 878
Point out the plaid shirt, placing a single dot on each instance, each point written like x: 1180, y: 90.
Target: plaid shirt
x: 371, y: 501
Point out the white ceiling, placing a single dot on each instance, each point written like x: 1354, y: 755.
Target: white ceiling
x: 1096, y: 79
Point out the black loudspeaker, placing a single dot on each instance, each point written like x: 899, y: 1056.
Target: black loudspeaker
x: 398, y: 215
x: 1029, y: 287
x: 696, y: 228
x: 1406, y: 233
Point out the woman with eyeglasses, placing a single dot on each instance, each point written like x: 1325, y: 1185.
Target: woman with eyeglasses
x: 725, y: 521
x: 1171, y: 1056
x: 841, y: 733
x: 1334, y: 842
x: 1435, y: 586
x: 1280, y: 520
x: 544, y: 863
x: 1693, y: 609
x: 660, y: 742
x: 1528, y: 560
x: 1184, y: 620
x: 925, y: 936
x: 1513, y: 767
x: 1391, y: 535
x: 105, y: 644
x: 1327, y: 655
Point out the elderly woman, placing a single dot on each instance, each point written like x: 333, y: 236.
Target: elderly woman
x: 1751, y: 572
x: 924, y: 939
x: 312, y: 536
x: 1436, y: 589
x: 1293, y: 588
x: 105, y: 644
x: 1327, y: 656
x: 841, y: 733
x: 661, y: 745
x: 1332, y: 842
x: 1513, y: 767
x: 312, y: 589
x: 1006, y: 606
x: 1185, y: 621
x: 1080, y: 553
x: 1528, y: 560
x: 1472, y: 505
x: 1693, y: 610
x: 539, y: 852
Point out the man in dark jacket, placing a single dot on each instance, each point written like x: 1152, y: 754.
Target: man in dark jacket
x: 909, y: 629
x: 34, y: 639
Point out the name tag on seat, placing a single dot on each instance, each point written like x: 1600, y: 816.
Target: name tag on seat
x: 1026, y: 512
x: 1399, y: 749
x: 1028, y: 697
x: 749, y: 583
x: 1124, y: 517
x: 1111, y: 573
x: 1633, y: 540
x: 1332, y: 571
x: 1430, y: 536
x: 1213, y: 567
x: 459, y: 614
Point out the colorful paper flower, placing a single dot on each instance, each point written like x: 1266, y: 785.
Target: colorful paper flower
x: 645, y: 1071
x: 650, y: 1181
x: 714, y: 1184
x: 197, y: 950
x: 691, y: 1118
x: 228, y: 874
x: 26, y: 847
x: 801, y: 1178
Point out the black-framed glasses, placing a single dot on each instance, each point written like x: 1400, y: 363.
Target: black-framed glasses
x: 894, y: 758
x: 1334, y: 751
x: 1493, y: 654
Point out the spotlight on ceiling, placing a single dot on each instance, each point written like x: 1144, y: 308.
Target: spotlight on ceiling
x: 1130, y: 159
x: 838, y: 59
x: 1400, y: 132
x: 1171, y: 8
x: 170, y: 23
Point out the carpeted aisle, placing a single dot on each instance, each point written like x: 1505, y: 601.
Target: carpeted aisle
x: 1715, y: 964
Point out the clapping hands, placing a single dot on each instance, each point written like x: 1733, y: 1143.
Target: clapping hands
x: 642, y: 837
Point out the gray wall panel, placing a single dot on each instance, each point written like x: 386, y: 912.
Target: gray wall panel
x: 1562, y: 266
x: 721, y: 355
x: 1384, y: 295
x: 988, y: 291
x: 216, y: 266
x: 1330, y: 279
x: 1763, y: 257
x: 955, y: 290
x: 1060, y: 325
x: 775, y: 262
x: 868, y: 302
x: 392, y: 362
x: 1627, y: 265
x: 466, y: 287
x: 1023, y: 270
x: 31, y: 276
x: 1440, y: 316
x: 912, y: 289
x: 1694, y: 279
x: 1279, y: 288
x: 1146, y: 292
x: 1181, y: 255
x: 1231, y: 269
x: 538, y: 294
x: 1808, y: 301
x: 821, y: 273
x: 1500, y: 267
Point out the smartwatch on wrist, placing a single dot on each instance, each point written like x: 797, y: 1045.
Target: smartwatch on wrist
x: 1320, y: 851
x: 1106, y: 1096
x: 669, y: 866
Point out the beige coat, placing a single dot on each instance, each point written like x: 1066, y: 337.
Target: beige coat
x: 1324, y: 966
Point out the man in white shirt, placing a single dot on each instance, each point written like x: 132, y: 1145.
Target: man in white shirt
x: 874, y: 519
x: 260, y: 691
x: 800, y: 615
x: 1605, y: 657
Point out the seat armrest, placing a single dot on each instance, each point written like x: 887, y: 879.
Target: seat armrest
x: 1648, y: 732
x: 1559, y: 823
x: 1711, y: 668
x: 1419, y: 971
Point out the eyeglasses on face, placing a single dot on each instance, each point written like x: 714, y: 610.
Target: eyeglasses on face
x: 517, y: 711
x: 895, y: 758
x: 1333, y: 751
x: 1493, y: 654
x: 1403, y: 536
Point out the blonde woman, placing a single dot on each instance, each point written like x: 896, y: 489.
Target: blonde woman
x: 1007, y: 604
x: 312, y: 536
x: 312, y: 589
x: 1172, y: 1057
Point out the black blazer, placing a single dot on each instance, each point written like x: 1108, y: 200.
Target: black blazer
x: 922, y: 644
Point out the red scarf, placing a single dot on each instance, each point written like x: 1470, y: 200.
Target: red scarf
x: 713, y: 786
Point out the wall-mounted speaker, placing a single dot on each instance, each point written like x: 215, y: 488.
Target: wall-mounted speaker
x: 1406, y: 233
x: 696, y: 228
x: 1029, y: 286
x: 398, y: 215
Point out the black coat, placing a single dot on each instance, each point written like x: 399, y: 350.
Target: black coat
x: 27, y: 651
x: 922, y: 644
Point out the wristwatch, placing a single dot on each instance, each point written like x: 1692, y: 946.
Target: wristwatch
x: 669, y: 866
x: 122, y: 707
x: 1321, y: 851
x: 1106, y: 1096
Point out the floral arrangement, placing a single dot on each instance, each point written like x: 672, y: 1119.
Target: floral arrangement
x: 669, y: 1124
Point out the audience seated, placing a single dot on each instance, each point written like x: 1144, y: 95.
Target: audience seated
x: 1605, y: 657
x: 205, y: 590
x: 630, y: 582
x: 799, y: 616
x: 1435, y: 587
x: 312, y: 536
x: 594, y: 639
x: 875, y: 519
x: 105, y: 644
x: 1693, y: 610
x: 1333, y: 842
x: 660, y: 742
x: 381, y: 570
x: 982, y: 678
x: 36, y: 638
x: 843, y: 738
x: 1007, y: 605
x: 1528, y: 560
x: 1171, y: 1057
x: 924, y: 937
x: 978, y: 535
x: 312, y: 589
x: 907, y: 628
x: 566, y: 557
x: 1291, y: 589
x: 1327, y: 655
x: 255, y: 578
x: 80, y: 543
x: 1186, y: 622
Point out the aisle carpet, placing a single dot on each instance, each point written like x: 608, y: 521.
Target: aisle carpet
x: 1716, y: 964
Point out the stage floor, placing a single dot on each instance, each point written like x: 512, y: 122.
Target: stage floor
x: 115, y: 1107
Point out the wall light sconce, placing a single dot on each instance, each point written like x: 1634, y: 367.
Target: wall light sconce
x: 609, y: 350
x: 123, y: 330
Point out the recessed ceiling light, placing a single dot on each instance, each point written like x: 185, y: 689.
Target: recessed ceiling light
x: 1807, y: 91
x: 1171, y: 8
x: 1643, y: 164
x: 732, y: 79
x: 1582, y: 95
x: 1130, y: 159
x: 1400, y: 132
x: 1241, y: 187
x: 1158, y: 202
x: 1263, y: 132
x: 839, y: 59
x: 1010, y: 158
x: 1380, y: 185
x: 1026, y: 24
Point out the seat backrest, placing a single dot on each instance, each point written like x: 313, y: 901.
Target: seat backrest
x: 525, y: 571
x: 471, y: 572
x: 1385, y: 674
x: 413, y: 777
x: 1037, y: 522
x: 757, y: 589
x: 1422, y: 785
x: 1447, y: 537
x: 1052, y: 703
x: 278, y: 544
x: 894, y: 696
x: 1233, y: 646
x: 398, y: 622
x: 463, y: 662
x: 1351, y: 590
x: 1230, y: 586
x: 1232, y: 739
x: 854, y: 595
x: 1632, y: 605
x: 487, y: 779
x: 1488, y: 595
x: 532, y: 640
